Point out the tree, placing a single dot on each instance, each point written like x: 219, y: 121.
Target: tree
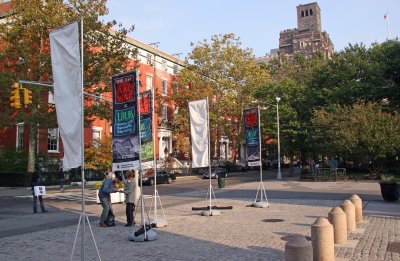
x: 361, y: 132
x: 98, y: 157
x: 25, y: 54
x: 225, y: 73
x: 294, y: 82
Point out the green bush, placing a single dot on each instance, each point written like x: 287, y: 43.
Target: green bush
x: 12, y: 160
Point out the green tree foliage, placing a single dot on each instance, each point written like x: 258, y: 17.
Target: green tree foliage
x: 99, y: 157
x: 225, y: 73
x: 361, y: 132
x: 25, y: 55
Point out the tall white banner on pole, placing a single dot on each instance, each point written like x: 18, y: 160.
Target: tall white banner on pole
x: 67, y: 76
x: 199, y: 133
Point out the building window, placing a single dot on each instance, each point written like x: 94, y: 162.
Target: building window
x: 306, y: 12
x: 165, y: 112
x: 311, y: 13
x: 302, y: 13
x: 149, y: 59
x: 96, y: 136
x: 52, y: 140
x: 164, y: 65
x: 51, y: 99
x: 175, y: 69
x: 164, y: 87
x: 149, y: 82
x: 20, y: 136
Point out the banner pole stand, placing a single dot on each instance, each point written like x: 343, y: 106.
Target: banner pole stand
x: 263, y: 202
x: 209, y: 197
x: 158, y: 222
x: 144, y: 233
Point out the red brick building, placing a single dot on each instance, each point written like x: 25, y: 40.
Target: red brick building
x: 156, y: 70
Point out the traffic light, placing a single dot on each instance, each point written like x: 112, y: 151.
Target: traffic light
x: 15, y: 97
x: 27, y: 97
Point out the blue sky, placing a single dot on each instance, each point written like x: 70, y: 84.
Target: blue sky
x: 177, y: 23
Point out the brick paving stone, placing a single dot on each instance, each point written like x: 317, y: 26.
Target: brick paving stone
x: 237, y: 234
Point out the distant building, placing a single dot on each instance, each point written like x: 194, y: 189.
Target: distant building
x: 307, y: 39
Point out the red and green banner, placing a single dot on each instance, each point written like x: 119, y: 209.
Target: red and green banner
x: 146, y: 134
x: 125, y: 134
x: 252, y: 132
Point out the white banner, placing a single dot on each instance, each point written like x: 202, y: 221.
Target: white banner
x: 199, y: 133
x: 67, y: 76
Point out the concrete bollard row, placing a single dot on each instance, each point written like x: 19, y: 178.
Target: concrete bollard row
x: 322, y: 240
x: 357, y: 202
x: 325, y: 233
x: 298, y: 248
x: 349, y: 209
x: 338, y: 220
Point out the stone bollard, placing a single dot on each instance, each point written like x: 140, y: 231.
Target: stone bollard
x: 357, y: 202
x: 338, y: 219
x: 322, y: 239
x: 350, y: 211
x: 298, y: 248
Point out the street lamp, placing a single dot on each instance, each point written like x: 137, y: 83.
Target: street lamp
x: 279, y: 142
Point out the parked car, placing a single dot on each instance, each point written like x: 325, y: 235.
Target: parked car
x: 216, y: 173
x: 163, y: 176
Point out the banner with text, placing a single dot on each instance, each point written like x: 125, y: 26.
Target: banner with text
x: 146, y: 133
x: 126, y: 145
x: 252, y: 131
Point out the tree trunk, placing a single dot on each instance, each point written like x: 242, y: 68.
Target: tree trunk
x: 32, y: 148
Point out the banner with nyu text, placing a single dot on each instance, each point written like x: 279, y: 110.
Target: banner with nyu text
x: 125, y: 135
x: 252, y: 132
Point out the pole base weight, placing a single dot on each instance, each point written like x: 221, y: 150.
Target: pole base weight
x: 261, y: 204
x: 210, y: 213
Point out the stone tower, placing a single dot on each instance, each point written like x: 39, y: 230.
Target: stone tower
x: 308, y: 38
x: 309, y: 17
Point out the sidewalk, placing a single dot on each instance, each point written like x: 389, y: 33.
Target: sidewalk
x: 243, y: 233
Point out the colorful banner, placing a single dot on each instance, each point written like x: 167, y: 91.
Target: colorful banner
x: 126, y: 145
x: 146, y: 123
x: 252, y: 131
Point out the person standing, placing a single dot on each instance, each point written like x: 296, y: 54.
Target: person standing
x: 106, y: 188
x: 61, y: 177
x: 35, y: 181
x: 130, y: 197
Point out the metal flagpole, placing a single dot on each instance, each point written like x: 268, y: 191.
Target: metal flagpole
x: 387, y: 26
x: 83, y: 218
x: 261, y: 188
x: 144, y: 233
x: 210, y: 193
x: 83, y: 151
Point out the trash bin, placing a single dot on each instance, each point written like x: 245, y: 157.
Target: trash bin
x: 221, y: 182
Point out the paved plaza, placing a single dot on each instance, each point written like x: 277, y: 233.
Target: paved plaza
x: 242, y: 233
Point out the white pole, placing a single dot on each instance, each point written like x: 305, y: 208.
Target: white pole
x: 387, y: 26
x: 209, y: 151
x: 279, y: 142
x: 83, y: 152
x: 154, y: 140
x: 259, y: 140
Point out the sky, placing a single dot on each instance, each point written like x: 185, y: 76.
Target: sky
x: 175, y: 24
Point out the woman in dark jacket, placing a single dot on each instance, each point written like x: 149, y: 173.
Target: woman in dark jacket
x: 35, y: 181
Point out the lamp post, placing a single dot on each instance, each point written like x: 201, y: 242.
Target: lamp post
x: 279, y: 176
